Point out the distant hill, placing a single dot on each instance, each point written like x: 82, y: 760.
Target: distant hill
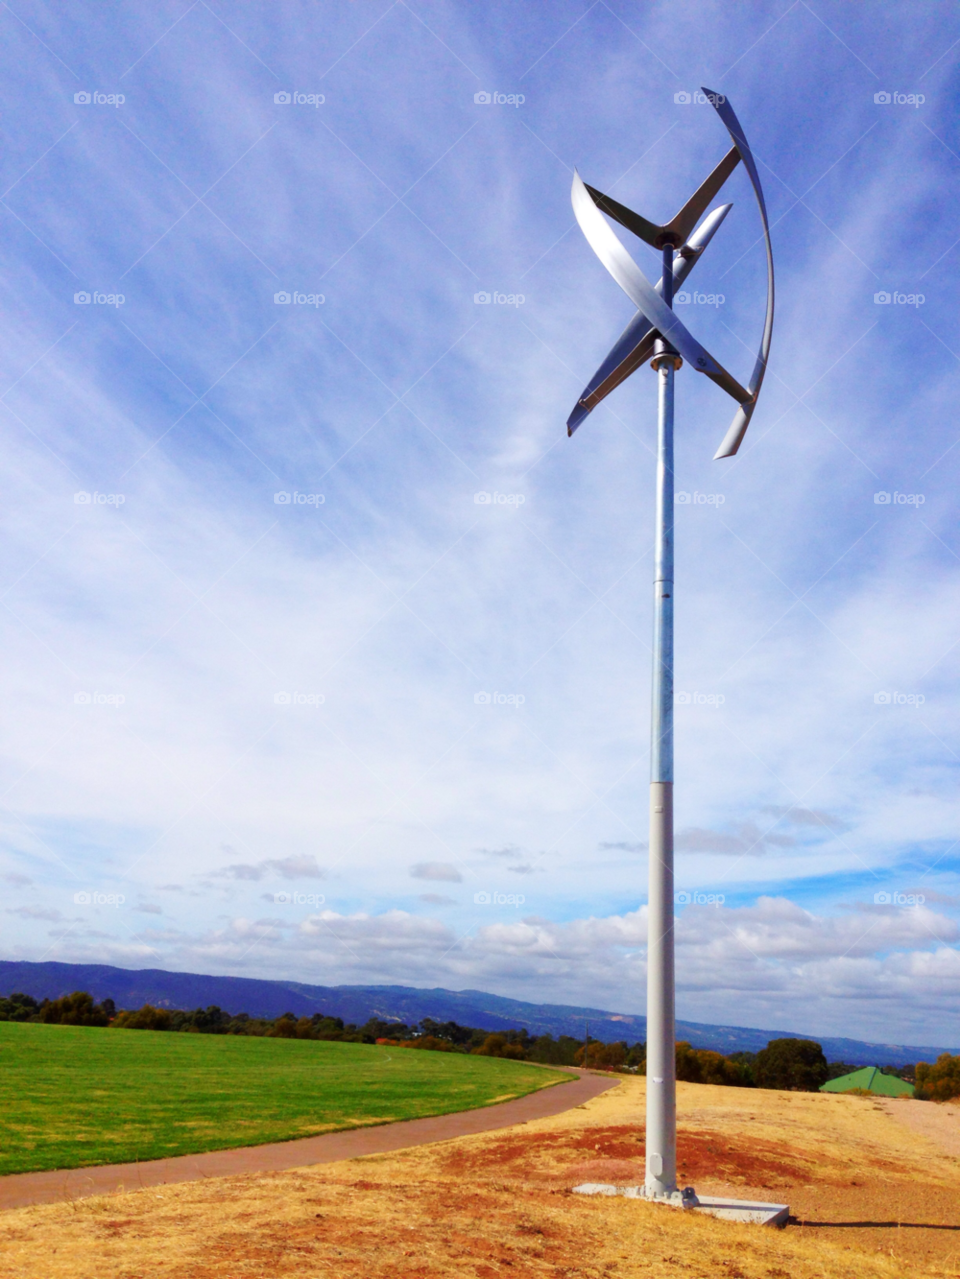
x: 133, y: 988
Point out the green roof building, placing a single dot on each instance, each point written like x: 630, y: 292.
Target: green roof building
x: 870, y: 1079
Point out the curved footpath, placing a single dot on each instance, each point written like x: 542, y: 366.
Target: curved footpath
x: 21, y: 1189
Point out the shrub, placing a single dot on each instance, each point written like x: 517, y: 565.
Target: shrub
x: 703, y: 1066
x: 497, y: 1045
x: 939, y: 1082
x: 145, y: 1018
x: 598, y: 1056
x: 285, y: 1027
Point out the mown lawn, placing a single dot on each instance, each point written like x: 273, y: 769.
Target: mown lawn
x: 72, y: 1096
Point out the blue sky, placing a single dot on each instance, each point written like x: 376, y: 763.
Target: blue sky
x: 255, y: 721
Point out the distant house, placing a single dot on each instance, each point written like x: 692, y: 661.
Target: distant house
x: 869, y: 1079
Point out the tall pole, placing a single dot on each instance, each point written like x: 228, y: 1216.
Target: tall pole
x: 661, y: 1134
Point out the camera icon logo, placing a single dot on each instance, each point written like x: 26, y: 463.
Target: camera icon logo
x: 481, y: 899
x: 683, y: 699
x: 282, y: 899
x: 281, y: 699
x: 81, y: 498
x: 82, y: 699
x: 682, y: 97
x: 881, y: 499
x: 683, y: 899
x: 282, y: 298
x: 81, y: 899
x: 81, y: 299
x: 482, y: 98
x: 282, y: 98
x: 481, y: 298
x: 281, y: 499
x: 481, y: 699
x: 682, y: 297
x: 482, y: 499
x: 882, y: 298
x: 82, y: 98
x: 881, y: 699
x: 882, y: 899
x: 682, y: 499
x: 881, y: 98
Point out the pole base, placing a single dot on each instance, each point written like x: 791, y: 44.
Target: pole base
x: 753, y: 1211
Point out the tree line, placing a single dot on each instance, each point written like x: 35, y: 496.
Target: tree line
x: 793, y: 1064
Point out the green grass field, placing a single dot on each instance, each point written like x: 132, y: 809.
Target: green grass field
x: 73, y: 1096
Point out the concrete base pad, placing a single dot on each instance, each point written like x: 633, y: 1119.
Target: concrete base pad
x: 749, y: 1210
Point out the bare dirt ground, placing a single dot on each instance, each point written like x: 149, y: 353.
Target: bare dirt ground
x: 871, y: 1198
x: 939, y: 1122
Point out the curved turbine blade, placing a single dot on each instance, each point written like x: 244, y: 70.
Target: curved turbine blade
x: 642, y: 293
x: 738, y: 428
x: 635, y: 344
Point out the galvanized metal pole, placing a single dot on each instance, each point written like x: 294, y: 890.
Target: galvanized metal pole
x: 661, y: 1135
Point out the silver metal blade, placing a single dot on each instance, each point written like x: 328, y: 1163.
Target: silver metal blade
x: 678, y: 228
x: 734, y: 437
x: 635, y: 344
x: 643, y: 295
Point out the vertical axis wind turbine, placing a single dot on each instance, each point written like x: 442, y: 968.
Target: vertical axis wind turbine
x: 655, y: 333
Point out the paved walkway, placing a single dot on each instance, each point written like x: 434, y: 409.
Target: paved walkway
x: 21, y: 1189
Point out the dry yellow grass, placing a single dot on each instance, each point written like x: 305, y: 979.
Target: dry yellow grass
x: 499, y: 1204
